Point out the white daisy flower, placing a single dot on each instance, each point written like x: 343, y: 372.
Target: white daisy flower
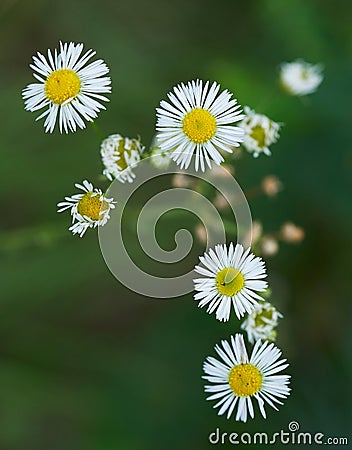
x: 300, y: 78
x: 259, y: 132
x: 238, y: 379
x: 231, y: 277
x: 88, y: 210
x: 198, y: 122
x: 261, y: 323
x: 120, y: 155
x: 69, y: 89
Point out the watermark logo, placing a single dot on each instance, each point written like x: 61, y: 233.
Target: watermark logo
x: 291, y: 436
x: 118, y: 244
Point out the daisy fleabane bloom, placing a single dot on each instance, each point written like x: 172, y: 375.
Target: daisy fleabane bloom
x: 259, y: 132
x: 198, y: 122
x: 300, y: 78
x: 120, y: 155
x: 69, y: 89
x: 88, y: 210
x: 261, y: 323
x: 237, y: 380
x: 231, y: 277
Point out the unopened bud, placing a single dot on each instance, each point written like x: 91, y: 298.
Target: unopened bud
x: 269, y: 246
x: 291, y: 233
x: 201, y: 233
x: 271, y: 185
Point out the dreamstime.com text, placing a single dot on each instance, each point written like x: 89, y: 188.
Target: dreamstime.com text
x: 292, y: 436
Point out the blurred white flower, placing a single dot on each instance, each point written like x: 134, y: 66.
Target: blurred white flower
x: 300, y: 78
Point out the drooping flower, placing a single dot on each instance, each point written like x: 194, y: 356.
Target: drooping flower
x: 120, y: 155
x: 88, y: 210
x: 259, y: 132
x: 261, y: 323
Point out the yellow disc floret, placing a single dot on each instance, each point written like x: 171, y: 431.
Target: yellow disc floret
x: 258, y: 134
x: 245, y: 380
x: 264, y: 314
x: 61, y: 85
x: 199, y: 125
x: 229, y: 281
x: 121, y: 152
x: 91, y: 206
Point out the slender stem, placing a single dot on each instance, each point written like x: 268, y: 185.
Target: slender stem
x: 97, y: 130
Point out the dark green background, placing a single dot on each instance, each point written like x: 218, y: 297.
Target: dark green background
x: 86, y: 364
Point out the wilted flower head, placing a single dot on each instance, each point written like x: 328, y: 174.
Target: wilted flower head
x: 259, y: 132
x: 88, y: 210
x: 300, y: 78
x: 261, y: 323
x: 120, y: 155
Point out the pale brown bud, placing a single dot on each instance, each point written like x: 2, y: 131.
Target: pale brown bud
x: 219, y: 172
x: 291, y: 233
x: 181, y: 180
x: 257, y: 230
x: 269, y: 246
x: 220, y: 202
x: 271, y: 185
x: 201, y: 233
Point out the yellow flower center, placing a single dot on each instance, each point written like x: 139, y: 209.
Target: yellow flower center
x: 91, y: 206
x: 245, y: 380
x: 229, y: 281
x: 258, y: 134
x: 120, y: 151
x: 304, y: 74
x: 199, y: 125
x: 62, y: 85
x: 265, y: 314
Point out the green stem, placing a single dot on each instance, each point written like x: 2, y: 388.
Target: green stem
x: 97, y: 130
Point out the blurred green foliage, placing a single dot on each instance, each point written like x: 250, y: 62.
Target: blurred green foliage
x: 84, y: 363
